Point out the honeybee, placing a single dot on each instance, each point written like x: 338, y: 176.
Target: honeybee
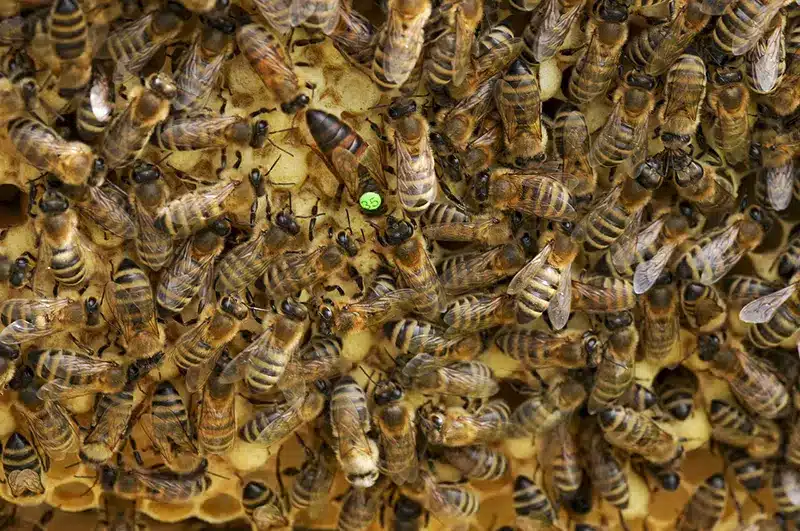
x: 354, y: 36
x: 467, y: 272
x: 638, y: 434
x: 216, y: 418
x: 766, y: 62
x: 263, y: 507
x: 394, y: 418
x: 476, y: 312
x: 457, y: 124
x: 360, y: 506
x: 416, y: 176
x: 709, y: 188
x: 468, y: 379
x: 605, y: 469
x: 128, y: 133
x: 273, y: 425
x: 350, y: 421
x: 73, y: 163
x: 742, y: 25
x: 400, y: 42
x: 749, y: 471
x: 625, y: 131
x: 171, y: 487
x: 729, y: 101
x: 544, y: 283
x: 658, y: 47
x: 23, y: 467
x: 615, y: 371
x: 132, y: 46
x: 313, y: 482
x: 150, y: 193
x: 703, y: 307
x: 131, y: 302
x: 19, y: 91
x: 28, y: 319
x: 53, y: 429
x: 571, y: 138
x: 106, y: 205
x: 198, y: 72
x: 457, y: 427
x: 676, y: 389
x: 561, y: 462
x: 450, y: 52
x: 18, y: 271
x: 786, y: 98
x: 482, y: 150
x: 776, y: 153
x: 548, y: 408
x: 205, y: 130
x: 601, y: 294
x: 606, y: 35
x: 191, y: 268
x: 547, y: 29
x: 64, y: 249
x: 478, y: 462
x: 655, y: 246
x: 410, y: 336
x: 532, y: 506
x: 263, y: 362
x: 112, y: 421
x: 447, y: 223
x: 455, y: 503
x: 284, y: 15
x: 368, y: 312
x: 776, y: 316
x: 750, y: 379
x: 618, y: 213
x: 518, y: 101
x: 187, y: 214
x: 414, y: 265
x: 705, y: 507
x: 784, y: 488
x: 571, y: 349
x: 684, y: 93
x: 172, y: 434
x: 662, y: 327
x: 712, y: 256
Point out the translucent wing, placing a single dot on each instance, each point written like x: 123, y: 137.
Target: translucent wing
x: 124, y: 319
x: 765, y: 60
x: 20, y: 331
x: 717, y: 261
x: 192, y: 336
x: 351, y: 436
x: 520, y: 280
x: 273, y: 11
x: 186, y: 273
x: 648, y: 272
x: 134, y: 32
x: 463, y: 47
x: 502, y: 90
x: 198, y: 375
x: 300, y: 10
x: 420, y: 364
x: 714, y: 7
x: 755, y: 27
x: 346, y: 166
x: 198, y: 128
x: 779, y: 185
x: 553, y: 29
x: 559, y: 307
x: 762, y: 309
x: 411, y: 34
x: 670, y: 48
x: 198, y: 74
x: 62, y: 390
x: 649, y: 235
x: 149, y: 240
x: 236, y: 369
x: 168, y: 484
x: 458, y: 231
x: 607, y: 132
x: 77, y: 364
x: 413, y: 171
x: 107, y: 211
x: 623, y: 251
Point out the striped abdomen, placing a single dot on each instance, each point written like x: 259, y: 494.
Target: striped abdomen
x: 68, y: 29
x: 783, y: 324
x: 216, y: 429
x: 539, y: 291
x: 67, y: 263
x: 133, y: 296
x: 604, y: 227
x: 30, y: 138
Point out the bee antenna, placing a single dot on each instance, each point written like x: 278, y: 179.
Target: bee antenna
x: 87, y: 491
x: 262, y: 110
x: 282, y: 130
x: 74, y: 465
x: 276, y: 146
x: 349, y: 226
x: 210, y: 473
x: 369, y: 377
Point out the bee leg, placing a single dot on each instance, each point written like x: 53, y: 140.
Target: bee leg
x: 44, y: 520
x: 338, y: 197
x: 55, y: 290
x: 335, y: 288
x: 238, y: 162
x: 622, y: 521
x: 223, y: 161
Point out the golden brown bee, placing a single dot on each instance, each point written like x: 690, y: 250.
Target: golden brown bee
x: 601, y: 294
x: 618, y: 213
x: 23, y: 467
x: 477, y: 462
x: 775, y: 150
x: 110, y: 425
x: 454, y: 503
x: 64, y: 249
x: 482, y: 150
x: 29, y: 319
x: 449, y: 55
x: 742, y: 25
x: 170, y: 487
x: 187, y: 214
x: 703, y: 307
x: 479, y: 311
x: 661, y: 324
x: 732, y: 425
x: 40, y: 146
x: 709, y: 188
x: 749, y: 471
x: 729, y: 101
x: 712, y: 256
x: 284, y: 15
x: 658, y: 47
x: 350, y: 421
x: 400, y: 42
x: 172, y: 433
x: 95, y: 108
x: 150, y: 194
x: 361, y: 506
x: 606, y: 34
x: 571, y: 349
x: 654, y: 248
x: 625, y: 131
x: 531, y: 504
x: 368, y: 312
x: 197, y: 74
x: 128, y: 133
x: 216, y: 419
x: 263, y: 507
x: 197, y: 349
x: 571, y: 139
x: 263, y: 362
x: 414, y: 265
x: 684, y: 93
x: 416, y: 176
x: 204, y: 130
x: 547, y: 29
x: 468, y: 379
x: 394, y: 418
x: 313, y: 482
x: 104, y: 204
x: 191, y: 269
x: 17, y: 272
x: 131, y: 302
x: 548, y: 407
x: 133, y: 45
x: 561, y: 461
x: 785, y: 99
x: 410, y: 336
x: 787, y: 263
x: 676, y: 389
x: 19, y: 90
x: 467, y: 272
x: 704, y: 509
x: 615, y: 371
x: 53, y: 429
x: 777, y: 316
x: 607, y: 472
x: 12, y: 104
x: 276, y: 424
x: 457, y: 427
x: 457, y: 123
x: 518, y: 101
x: 638, y: 434
x: 268, y: 57
x: 69, y: 44
x: 750, y: 379
x: 354, y: 36
x: 766, y: 62
x: 784, y: 487
x: 544, y: 283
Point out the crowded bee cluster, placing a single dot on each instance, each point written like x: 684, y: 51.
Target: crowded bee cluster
x: 411, y: 264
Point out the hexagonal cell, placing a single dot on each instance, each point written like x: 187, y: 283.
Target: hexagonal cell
x: 13, y: 206
x: 73, y: 496
x: 168, y: 512
x: 220, y: 508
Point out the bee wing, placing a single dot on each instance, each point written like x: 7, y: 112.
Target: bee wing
x: 191, y: 336
x: 206, y: 126
x: 755, y: 28
x: 350, y: 434
x: 553, y: 28
x: 714, y: 7
x: 108, y: 211
x: 714, y: 254
x: 152, y: 240
x: 497, y: 59
x: 779, y: 185
x: 649, y: 235
x: 273, y: 10
x: 134, y: 32
x: 20, y: 331
x: 486, y: 306
x: 559, y: 307
x: 199, y: 72
x: 762, y: 309
x: 167, y: 484
x: 236, y: 369
x: 420, y: 364
x: 411, y: 32
x: 346, y: 167
x: 463, y: 48
x: 411, y: 171
x: 520, y: 280
x: 623, y: 251
x: 671, y: 46
x: 197, y: 376
x: 300, y: 10
x: 121, y: 320
x: 456, y: 231
x: 560, y: 183
x: 648, y: 271
x: 331, y: 20
x: 62, y: 390
x: 100, y: 96
x: 766, y: 57
x: 186, y: 273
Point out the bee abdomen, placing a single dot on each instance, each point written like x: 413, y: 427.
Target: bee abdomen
x: 67, y: 264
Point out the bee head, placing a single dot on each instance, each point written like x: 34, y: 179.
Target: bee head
x: 144, y: 172
x: 53, y: 202
x: 398, y: 230
x: 294, y: 310
x: 481, y: 186
x: 709, y: 346
x: 259, y: 134
x: 301, y: 101
x: 386, y: 392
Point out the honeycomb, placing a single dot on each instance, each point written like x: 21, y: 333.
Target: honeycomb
x: 300, y: 179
